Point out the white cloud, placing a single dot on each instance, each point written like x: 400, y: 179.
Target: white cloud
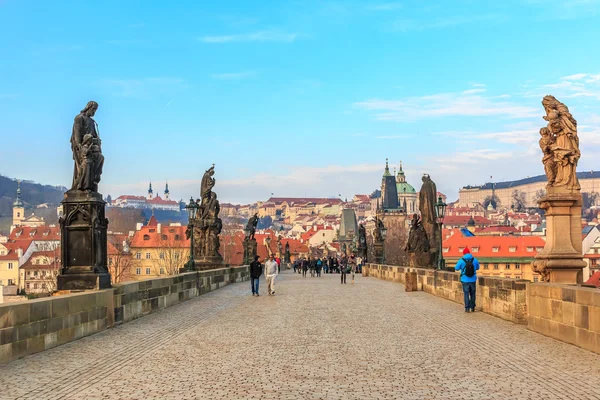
x: 574, y: 77
x: 467, y: 103
x: 233, y: 75
x: 259, y: 36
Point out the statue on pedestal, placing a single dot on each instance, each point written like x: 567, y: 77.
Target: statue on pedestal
x: 362, y: 242
x: 208, y: 225
x: 84, y: 254
x: 288, y: 256
x: 561, y: 261
x: 427, y: 200
x: 251, y: 226
x: 418, y: 245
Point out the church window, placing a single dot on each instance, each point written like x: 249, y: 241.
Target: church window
x: 18, y: 215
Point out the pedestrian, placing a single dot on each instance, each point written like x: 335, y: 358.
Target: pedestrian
x: 304, y: 267
x: 255, y: 273
x: 295, y: 265
x: 336, y: 265
x: 326, y: 265
x: 359, y: 264
x: 319, y: 266
x: 468, y: 266
x: 343, y: 271
x: 352, y: 267
x: 270, y: 274
x: 313, y: 267
x: 278, y: 261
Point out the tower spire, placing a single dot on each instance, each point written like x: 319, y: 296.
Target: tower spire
x: 150, y: 192
x: 167, y: 194
x: 18, y: 202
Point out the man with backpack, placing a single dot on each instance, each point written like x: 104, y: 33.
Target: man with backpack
x: 468, y: 266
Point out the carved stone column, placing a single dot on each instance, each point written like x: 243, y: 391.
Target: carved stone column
x: 561, y: 261
x: 83, y: 242
x: 250, y: 250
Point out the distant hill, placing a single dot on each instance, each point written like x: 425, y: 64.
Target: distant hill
x: 32, y: 194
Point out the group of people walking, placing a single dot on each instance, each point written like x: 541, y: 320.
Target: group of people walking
x: 271, y: 271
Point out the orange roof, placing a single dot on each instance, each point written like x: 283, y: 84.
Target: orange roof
x: 463, y: 219
x: 35, y: 233
x: 170, y: 236
x: 594, y: 279
x: 159, y: 200
x: 304, y: 200
x: 494, y: 246
x: 53, y: 255
x: 498, y: 228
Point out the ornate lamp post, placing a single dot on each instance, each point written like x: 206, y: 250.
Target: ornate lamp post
x: 383, y: 233
x: 440, y: 210
x: 192, y: 209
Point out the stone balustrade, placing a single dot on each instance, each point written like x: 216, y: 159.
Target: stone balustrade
x: 32, y: 326
x: 567, y: 313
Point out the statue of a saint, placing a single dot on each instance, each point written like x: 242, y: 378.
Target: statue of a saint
x: 251, y: 226
x: 87, y: 151
x: 208, y: 182
x: 417, y: 237
x: 427, y: 199
x: 563, y: 127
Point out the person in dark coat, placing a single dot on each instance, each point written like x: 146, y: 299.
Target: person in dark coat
x: 255, y: 273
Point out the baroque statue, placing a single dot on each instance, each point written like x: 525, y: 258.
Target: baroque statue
x: 417, y: 237
x: 207, y: 225
x: 251, y: 227
x: 362, y: 242
x: 427, y: 199
x: 560, y: 145
x: 87, y: 150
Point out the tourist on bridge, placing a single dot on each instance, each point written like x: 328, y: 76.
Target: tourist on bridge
x: 255, y: 273
x: 313, y: 267
x: 352, y: 266
x: 468, y: 266
x: 304, y: 267
x: 270, y: 274
x: 343, y: 269
x: 319, y: 266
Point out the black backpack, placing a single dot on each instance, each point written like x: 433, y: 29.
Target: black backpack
x: 469, y: 267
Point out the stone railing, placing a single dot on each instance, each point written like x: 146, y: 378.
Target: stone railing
x: 502, y: 297
x: 32, y: 326
x: 567, y: 313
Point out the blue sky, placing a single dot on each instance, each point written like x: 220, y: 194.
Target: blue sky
x: 294, y: 97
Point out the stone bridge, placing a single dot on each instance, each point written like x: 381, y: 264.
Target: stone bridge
x: 316, y: 339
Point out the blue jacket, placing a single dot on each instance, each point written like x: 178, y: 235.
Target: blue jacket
x: 460, y: 266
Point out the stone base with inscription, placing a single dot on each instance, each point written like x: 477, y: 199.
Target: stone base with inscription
x: 250, y: 250
x: 83, y: 242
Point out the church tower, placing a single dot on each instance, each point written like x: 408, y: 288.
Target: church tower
x: 167, y: 194
x: 18, y: 207
x: 150, y: 192
x: 389, y: 192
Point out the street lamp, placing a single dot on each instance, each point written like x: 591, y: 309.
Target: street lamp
x: 440, y: 210
x: 192, y: 209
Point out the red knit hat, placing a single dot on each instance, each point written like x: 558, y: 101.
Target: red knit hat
x: 466, y: 251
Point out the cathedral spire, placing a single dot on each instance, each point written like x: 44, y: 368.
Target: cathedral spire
x: 387, y: 169
x: 18, y: 202
x: 167, y: 194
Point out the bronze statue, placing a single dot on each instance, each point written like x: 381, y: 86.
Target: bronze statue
x: 87, y: 151
x: 564, y: 144
x: 417, y: 237
x: 251, y: 227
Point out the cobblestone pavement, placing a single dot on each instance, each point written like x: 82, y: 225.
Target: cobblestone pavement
x: 316, y: 339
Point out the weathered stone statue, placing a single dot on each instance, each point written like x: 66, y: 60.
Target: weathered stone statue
x: 362, y: 242
x: 288, y: 256
x: 418, y: 245
x: 87, y: 152
x: 417, y: 237
x: 208, y: 225
x: 427, y: 201
x: 561, y: 261
x: 378, y: 241
x: 279, y: 247
x: 251, y: 226
x: 562, y: 133
x: 84, y: 224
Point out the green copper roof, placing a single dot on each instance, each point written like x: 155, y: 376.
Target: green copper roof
x: 18, y: 202
x: 387, y: 169
x: 404, y: 185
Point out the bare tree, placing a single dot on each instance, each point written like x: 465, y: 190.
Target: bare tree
x: 540, y: 194
x: 173, y: 253
x: 120, y: 262
x: 494, y: 200
x: 49, y: 273
x: 518, y: 200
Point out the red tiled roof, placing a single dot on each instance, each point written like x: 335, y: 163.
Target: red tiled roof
x: 148, y: 237
x: 304, y: 200
x: 463, y: 219
x: 486, y: 245
x: 594, y: 279
x: 35, y: 233
x: 152, y: 222
x: 498, y: 228
x: 159, y: 200
x: 129, y: 197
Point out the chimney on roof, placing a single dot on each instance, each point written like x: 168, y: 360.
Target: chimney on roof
x: 19, y: 252
x: 159, y: 228
x: 138, y: 226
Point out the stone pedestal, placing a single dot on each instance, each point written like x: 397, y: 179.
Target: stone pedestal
x: 379, y: 256
x: 422, y: 260
x: 83, y: 242
x: 561, y: 261
x: 410, y: 282
x: 250, y: 250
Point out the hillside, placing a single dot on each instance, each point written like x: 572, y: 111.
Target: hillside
x: 32, y: 194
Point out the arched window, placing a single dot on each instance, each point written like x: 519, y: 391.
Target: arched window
x: 146, y: 237
x: 18, y: 215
